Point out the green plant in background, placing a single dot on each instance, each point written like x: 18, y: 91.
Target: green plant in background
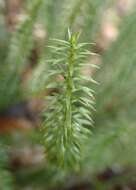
x: 68, y: 116
x: 6, y: 182
x: 6, y: 177
x: 117, y: 92
x: 19, y: 49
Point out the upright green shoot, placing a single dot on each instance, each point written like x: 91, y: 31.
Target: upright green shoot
x: 68, y: 117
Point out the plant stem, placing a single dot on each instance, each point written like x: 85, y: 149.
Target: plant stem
x: 69, y: 89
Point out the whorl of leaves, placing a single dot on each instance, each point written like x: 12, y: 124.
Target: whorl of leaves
x: 68, y: 115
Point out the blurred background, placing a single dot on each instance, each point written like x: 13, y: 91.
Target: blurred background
x: 26, y: 27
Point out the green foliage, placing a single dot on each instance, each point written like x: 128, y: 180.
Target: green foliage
x: 92, y: 12
x: 5, y: 180
x: 111, y: 148
x: 69, y: 113
x: 19, y: 50
x: 67, y: 116
x: 80, y: 15
x: 118, y: 74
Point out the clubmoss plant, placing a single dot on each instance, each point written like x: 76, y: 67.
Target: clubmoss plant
x: 67, y: 120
